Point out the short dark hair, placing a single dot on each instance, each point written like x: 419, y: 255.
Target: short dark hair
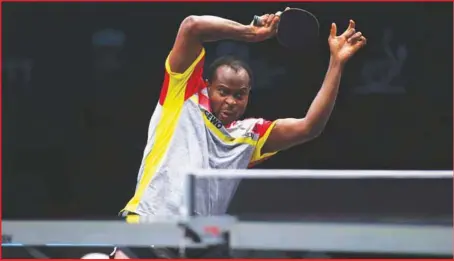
x: 232, y: 62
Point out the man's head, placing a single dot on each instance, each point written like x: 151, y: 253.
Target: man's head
x: 229, y: 84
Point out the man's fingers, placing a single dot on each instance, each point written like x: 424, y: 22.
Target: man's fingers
x: 360, y: 42
x: 275, y: 21
x: 349, y: 33
x: 265, y: 19
x: 363, y: 40
x: 269, y: 19
x: 350, y: 30
x: 354, y: 37
x: 333, y: 31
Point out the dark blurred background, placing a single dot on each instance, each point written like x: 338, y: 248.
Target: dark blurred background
x: 81, y: 80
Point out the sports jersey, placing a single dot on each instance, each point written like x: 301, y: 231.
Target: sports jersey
x: 183, y: 134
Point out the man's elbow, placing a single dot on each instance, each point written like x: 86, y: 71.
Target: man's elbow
x: 309, y: 132
x: 191, y: 25
x: 315, y: 133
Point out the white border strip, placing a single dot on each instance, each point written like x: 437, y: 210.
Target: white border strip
x: 321, y: 174
x: 338, y: 237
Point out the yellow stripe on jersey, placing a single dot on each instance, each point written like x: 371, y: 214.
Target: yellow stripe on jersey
x: 258, y: 156
x: 227, y: 139
x: 165, y: 129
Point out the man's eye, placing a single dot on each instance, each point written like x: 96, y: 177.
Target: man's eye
x: 239, y: 96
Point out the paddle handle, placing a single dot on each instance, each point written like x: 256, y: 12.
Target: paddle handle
x: 257, y: 21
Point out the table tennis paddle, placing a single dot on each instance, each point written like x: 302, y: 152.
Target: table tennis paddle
x: 297, y: 28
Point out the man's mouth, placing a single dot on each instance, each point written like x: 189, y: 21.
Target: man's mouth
x: 226, y: 114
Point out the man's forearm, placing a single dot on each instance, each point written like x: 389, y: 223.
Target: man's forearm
x: 323, y: 104
x: 211, y: 28
x: 195, y: 30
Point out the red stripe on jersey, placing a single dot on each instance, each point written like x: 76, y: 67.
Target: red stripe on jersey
x: 231, y: 124
x: 261, y: 127
x: 204, y: 101
x: 195, y: 82
x: 165, y: 87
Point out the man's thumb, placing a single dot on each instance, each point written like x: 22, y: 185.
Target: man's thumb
x: 333, y: 31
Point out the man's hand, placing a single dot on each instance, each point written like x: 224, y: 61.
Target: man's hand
x: 344, y: 46
x: 268, y: 28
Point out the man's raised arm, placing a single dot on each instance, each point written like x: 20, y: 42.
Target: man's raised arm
x: 195, y: 30
x: 290, y: 132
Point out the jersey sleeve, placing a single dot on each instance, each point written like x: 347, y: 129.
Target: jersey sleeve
x: 263, y: 128
x: 178, y: 87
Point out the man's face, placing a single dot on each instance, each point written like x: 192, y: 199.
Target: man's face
x: 229, y: 93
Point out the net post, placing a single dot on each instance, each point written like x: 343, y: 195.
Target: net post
x: 188, y: 209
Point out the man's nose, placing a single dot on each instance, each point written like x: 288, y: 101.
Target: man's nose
x: 230, y: 101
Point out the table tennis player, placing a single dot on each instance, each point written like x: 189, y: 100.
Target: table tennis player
x: 198, y: 123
